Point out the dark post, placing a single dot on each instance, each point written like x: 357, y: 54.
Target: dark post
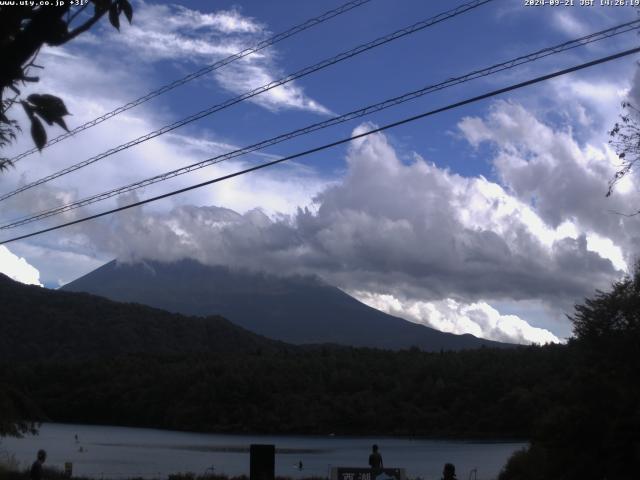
x: 262, y: 462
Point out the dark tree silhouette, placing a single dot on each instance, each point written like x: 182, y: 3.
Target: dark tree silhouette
x: 611, y: 314
x: 591, y: 431
x: 18, y: 414
x: 24, y: 29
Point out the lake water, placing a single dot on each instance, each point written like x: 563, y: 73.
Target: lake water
x: 120, y: 452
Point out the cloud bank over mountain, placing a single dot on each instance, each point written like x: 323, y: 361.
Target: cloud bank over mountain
x: 409, y: 236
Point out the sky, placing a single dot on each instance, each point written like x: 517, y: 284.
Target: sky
x: 488, y: 219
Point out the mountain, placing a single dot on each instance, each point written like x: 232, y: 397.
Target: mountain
x: 37, y: 324
x: 299, y: 310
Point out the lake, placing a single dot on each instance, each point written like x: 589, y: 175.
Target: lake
x: 119, y: 452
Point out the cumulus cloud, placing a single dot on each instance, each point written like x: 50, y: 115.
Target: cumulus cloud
x: 448, y: 315
x: 18, y: 268
x: 87, y: 88
x: 565, y: 181
x: 411, y: 231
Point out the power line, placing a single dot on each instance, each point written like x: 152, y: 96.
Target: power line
x: 339, y: 142
x: 587, y: 39
x: 312, y: 22
x: 257, y: 91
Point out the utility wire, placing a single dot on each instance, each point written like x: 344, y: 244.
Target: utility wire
x: 587, y: 39
x: 416, y: 27
x: 312, y: 22
x: 339, y: 142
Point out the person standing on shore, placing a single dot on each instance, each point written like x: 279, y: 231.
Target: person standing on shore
x: 36, y: 469
x: 375, y: 462
x: 449, y: 472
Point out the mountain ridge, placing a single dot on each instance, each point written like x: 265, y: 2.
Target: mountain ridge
x: 37, y: 323
x: 297, y: 309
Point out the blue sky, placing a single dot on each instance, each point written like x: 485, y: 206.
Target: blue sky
x: 488, y: 219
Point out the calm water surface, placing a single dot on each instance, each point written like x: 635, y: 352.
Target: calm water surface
x: 118, y: 452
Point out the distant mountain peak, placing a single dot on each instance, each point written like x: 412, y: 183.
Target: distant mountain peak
x: 294, y: 309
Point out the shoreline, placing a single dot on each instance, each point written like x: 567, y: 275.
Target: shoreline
x: 480, y: 439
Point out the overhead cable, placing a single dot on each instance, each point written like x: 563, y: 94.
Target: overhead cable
x: 336, y: 143
x: 416, y: 27
x: 312, y: 22
x: 587, y: 39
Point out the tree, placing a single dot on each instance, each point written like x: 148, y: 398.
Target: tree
x: 24, y: 29
x: 625, y: 139
x: 591, y: 432
x: 612, y: 315
x: 18, y: 414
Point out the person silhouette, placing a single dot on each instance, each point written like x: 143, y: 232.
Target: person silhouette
x: 449, y: 472
x: 36, y: 469
x: 375, y: 461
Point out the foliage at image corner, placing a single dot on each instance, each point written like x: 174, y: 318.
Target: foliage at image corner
x: 593, y: 433
x: 24, y: 30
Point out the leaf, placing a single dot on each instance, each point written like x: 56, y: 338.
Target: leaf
x: 52, y: 104
x: 61, y: 123
x: 48, y: 107
x: 38, y: 133
x: 125, y: 6
x: 113, y: 16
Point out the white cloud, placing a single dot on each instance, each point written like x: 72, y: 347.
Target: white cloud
x: 60, y: 262
x: 568, y: 24
x: 18, y: 268
x: 448, y: 315
x: 89, y: 94
x: 225, y: 21
x: 192, y: 37
x: 245, y: 76
x: 607, y: 249
x: 563, y: 180
x: 172, y: 32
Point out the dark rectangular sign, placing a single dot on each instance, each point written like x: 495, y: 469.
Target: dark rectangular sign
x: 262, y: 462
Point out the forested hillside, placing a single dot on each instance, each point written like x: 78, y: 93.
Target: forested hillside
x: 482, y: 393
x: 37, y: 324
